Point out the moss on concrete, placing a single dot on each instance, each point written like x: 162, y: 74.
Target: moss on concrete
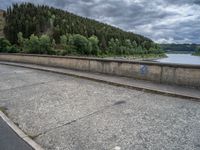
x: 3, y: 109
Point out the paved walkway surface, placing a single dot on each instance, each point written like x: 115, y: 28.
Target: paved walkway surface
x: 68, y: 113
x: 9, y: 140
x: 173, y: 90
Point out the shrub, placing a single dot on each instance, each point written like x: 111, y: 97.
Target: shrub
x: 81, y: 43
x: 13, y: 49
x: 32, y: 45
x: 94, y: 45
x: 45, y: 45
x: 37, y: 45
x: 4, y: 45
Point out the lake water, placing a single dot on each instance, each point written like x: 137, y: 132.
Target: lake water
x: 181, y: 59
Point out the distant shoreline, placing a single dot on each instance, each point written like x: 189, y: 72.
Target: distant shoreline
x: 148, y: 57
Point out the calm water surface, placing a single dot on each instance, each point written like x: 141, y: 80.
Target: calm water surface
x: 181, y: 59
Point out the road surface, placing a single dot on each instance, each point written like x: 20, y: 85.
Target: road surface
x: 67, y: 113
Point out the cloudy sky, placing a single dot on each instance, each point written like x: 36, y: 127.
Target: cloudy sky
x: 164, y: 21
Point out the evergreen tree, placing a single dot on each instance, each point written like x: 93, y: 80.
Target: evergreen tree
x: 94, y: 44
x: 33, y: 21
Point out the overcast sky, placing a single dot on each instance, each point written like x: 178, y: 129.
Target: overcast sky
x: 164, y: 21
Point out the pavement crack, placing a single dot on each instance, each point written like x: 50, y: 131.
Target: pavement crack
x: 30, y: 85
x: 83, y: 117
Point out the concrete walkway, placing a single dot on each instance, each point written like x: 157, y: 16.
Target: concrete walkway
x: 172, y: 90
x: 62, y: 112
x: 9, y: 140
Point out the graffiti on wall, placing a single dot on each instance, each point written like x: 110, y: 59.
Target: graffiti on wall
x: 143, y: 69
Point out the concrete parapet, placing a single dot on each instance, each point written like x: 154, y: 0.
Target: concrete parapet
x: 179, y: 74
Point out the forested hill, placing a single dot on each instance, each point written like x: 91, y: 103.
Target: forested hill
x: 31, y: 19
x: 180, y: 47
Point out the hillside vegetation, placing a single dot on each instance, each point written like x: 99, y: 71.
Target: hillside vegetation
x: 29, y: 26
x: 180, y: 47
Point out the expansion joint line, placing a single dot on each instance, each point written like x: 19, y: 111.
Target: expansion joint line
x: 80, y: 118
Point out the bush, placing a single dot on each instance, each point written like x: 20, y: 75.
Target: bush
x: 4, y: 45
x: 69, y: 50
x: 78, y: 44
x: 32, y: 45
x: 13, y: 49
x: 37, y: 45
x: 45, y: 45
x: 81, y: 43
x: 94, y: 45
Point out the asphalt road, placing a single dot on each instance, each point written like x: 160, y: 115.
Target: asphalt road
x: 9, y: 140
x: 67, y: 113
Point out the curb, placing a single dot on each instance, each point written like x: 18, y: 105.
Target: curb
x: 20, y: 133
x: 145, y: 89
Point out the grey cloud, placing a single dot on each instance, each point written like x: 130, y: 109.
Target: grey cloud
x: 161, y: 20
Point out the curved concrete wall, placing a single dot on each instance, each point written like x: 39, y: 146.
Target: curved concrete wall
x: 188, y: 75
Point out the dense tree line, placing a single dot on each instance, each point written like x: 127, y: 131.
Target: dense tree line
x: 180, y: 47
x: 35, y: 44
x: 78, y: 44
x: 30, y: 19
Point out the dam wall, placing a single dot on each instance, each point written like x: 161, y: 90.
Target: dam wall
x: 177, y: 74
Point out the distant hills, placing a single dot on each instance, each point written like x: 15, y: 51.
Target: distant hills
x: 174, y: 48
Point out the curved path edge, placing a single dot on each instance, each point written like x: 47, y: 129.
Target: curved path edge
x: 20, y: 133
x: 98, y: 78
